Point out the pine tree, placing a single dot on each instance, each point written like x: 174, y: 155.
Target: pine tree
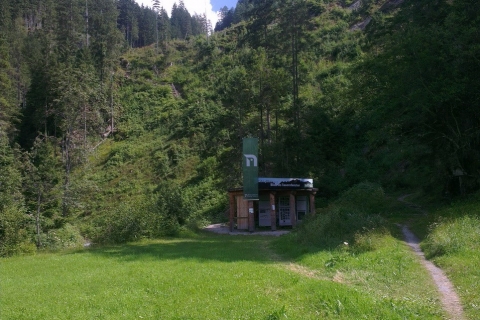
x: 181, y: 21
x: 8, y: 108
x: 157, y: 8
x: 43, y: 175
x: 14, y: 223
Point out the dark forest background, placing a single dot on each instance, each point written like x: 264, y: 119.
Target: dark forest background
x: 119, y: 122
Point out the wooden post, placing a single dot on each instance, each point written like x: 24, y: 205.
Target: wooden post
x: 293, y: 212
x: 312, y: 203
x: 251, y: 217
x: 232, y: 210
x: 273, y: 216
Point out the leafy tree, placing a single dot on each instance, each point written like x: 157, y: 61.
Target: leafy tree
x: 415, y: 85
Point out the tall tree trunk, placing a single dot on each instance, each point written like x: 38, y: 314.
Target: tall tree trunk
x: 37, y: 219
x: 66, y: 184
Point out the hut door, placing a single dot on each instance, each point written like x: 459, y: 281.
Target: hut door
x: 264, y: 219
x: 284, y: 211
x: 242, y: 213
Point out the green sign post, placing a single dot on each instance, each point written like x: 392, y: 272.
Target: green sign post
x: 250, y: 168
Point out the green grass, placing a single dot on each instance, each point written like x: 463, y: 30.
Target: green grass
x: 450, y: 236
x: 453, y: 244
x: 216, y: 277
x: 387, y: 272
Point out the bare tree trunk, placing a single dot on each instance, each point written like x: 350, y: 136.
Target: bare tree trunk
x: 111, y: 102
x: 37, y: 219
x: 85, y: 127
x: 67, y: 159
x: 86, y: 22
x: 269, y: 128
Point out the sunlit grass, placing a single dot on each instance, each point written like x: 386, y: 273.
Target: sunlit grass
x: 208, y: 277
x: 390, y: 272
x: 453, y: 244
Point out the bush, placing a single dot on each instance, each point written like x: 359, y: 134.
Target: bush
x: 349, y: 219
x: 122, y: 224
x: 67, y: 236
x: 131, y: 221
x: 366, y: 196
x: 452, y: 236
x: 368, y: 241
x: 14, y: 237
x: 337, y: 225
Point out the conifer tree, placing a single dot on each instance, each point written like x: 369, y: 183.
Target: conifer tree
x: 8, y: 108
x: 157, y: 8
x: 43, y: 175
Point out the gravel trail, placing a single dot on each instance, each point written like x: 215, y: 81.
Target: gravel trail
x: 449, y: 298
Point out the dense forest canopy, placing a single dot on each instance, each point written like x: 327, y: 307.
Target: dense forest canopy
x: 119, y: 121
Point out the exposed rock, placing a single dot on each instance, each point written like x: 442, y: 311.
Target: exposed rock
x: 361, y: 25
x: 356, y: 5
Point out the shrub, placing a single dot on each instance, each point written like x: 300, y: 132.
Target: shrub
x: 368, y: 241
x: 122, y: 224
x: 366, y: 196
x: 337, y: 225
x: 452, y: 236
x: 349, y: 219
x: 67, y: 236
x: 147, y: 74
x: 130, y: 221
x: 14, y: 237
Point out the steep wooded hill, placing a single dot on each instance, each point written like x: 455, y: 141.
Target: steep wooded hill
x: 97, y: 143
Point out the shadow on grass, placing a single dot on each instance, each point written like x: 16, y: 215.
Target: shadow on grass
x: 205, y: 248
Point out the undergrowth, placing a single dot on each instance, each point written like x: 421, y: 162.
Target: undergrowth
x: 350, y: 219
x: 452, y: 243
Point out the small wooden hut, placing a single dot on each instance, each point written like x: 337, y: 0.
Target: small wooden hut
x: 282, y: 202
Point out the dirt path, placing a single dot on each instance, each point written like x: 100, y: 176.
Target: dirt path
x: 449, y: 298
x: 221, y: 228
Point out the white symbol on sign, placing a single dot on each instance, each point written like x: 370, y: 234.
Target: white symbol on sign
x: 250, y: 158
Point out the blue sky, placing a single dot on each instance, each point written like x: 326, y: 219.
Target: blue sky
x: 217, y: 4
x: 210, y: 7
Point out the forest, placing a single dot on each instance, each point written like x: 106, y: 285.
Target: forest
x: 120, y: 122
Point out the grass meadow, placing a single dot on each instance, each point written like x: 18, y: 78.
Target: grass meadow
x: 219, y: 277
x: 453, y: 243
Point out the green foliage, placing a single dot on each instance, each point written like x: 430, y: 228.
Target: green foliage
x: 7, y: 97
x: 43, y: 176
x: 15, y: 224
x: 352, y: 219
x: 124, y: 223
x: 365, y: 197
x: 453, y: 236
x: 135, y: 220
x: 14, y: 232
x: 456, y: 229
x: 452, y: 243
x: 66, y: 237
x: 394, y: 103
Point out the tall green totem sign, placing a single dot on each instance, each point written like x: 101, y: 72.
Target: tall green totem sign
x: 250, y: 168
